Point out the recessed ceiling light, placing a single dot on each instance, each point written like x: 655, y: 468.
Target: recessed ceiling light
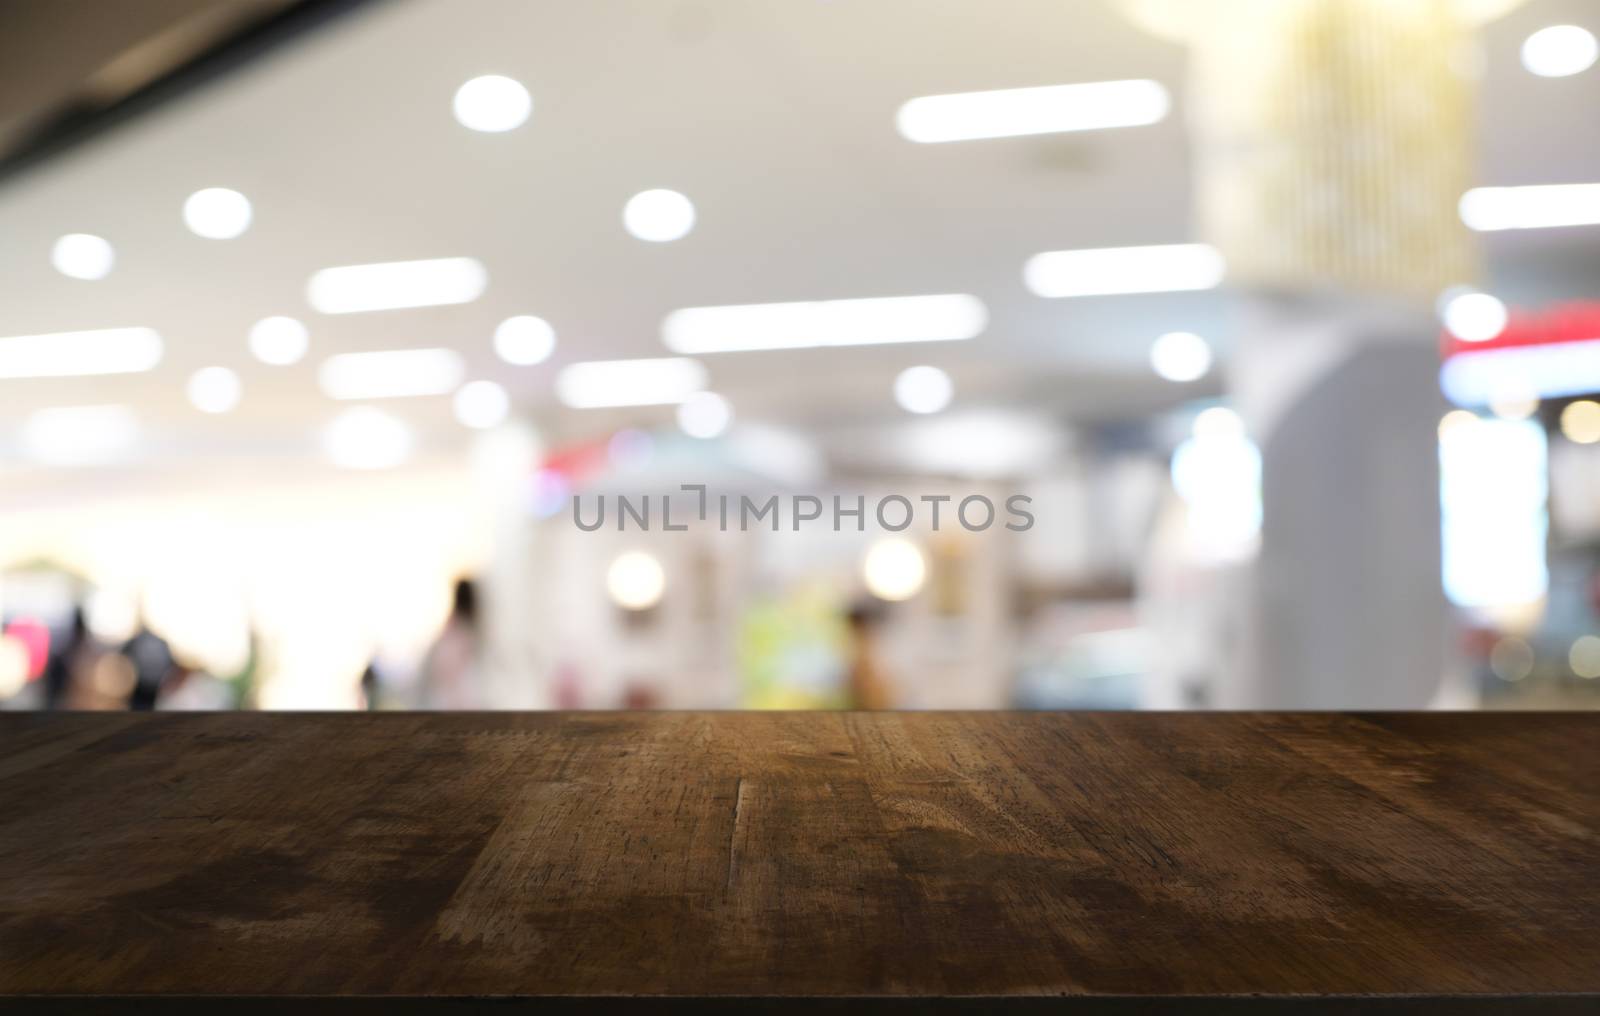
x: 1180, y: 356
x: 217, y: 213
x: 1560, y: 51
x: 704, y: 415
x: 492, y: 103
x: 214, y: 389
x: 596, y: 384
x: 79, y: 354
x: 658, y: 215
x: 366, y: 438
x: 894, y: 568
x: 391, y: 373
x: 481, y: 404
x: 1046, y: 110
x: 923, y: 389
x: 940, y: 318
x: 524, y: 340
x: 83, y: 256
x: 1539, y: 206
x: 279, y: 340
x: 79, y: 435
x: 1475, y: 317
x: 393, y: 285
x: 1108, y: 271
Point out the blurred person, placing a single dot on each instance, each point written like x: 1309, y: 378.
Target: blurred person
x: 70, y: 663
x: 866, y: 686
x: 153, y: 664
x: 451, y: 671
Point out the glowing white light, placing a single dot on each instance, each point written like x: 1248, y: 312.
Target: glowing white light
x: 80, y: 435
x: 894, y: 568
x: 492, y: 103
x: 366, y: 438
x: 1456, y: 418
x: 599, y: 383
x: 1475, y: 317
x: 1539, y: 206
x: 1180, y: 356
x: 891, y: 319
x: 635, y: 581
x: 14, y: 665
x: 923, y: 389
x: 279, y: 340
x: 391, y: 373
x: 217, y: 213
x: 704, y: 414
x: 214, y: 389
x: 1560, y: 51
x: 1513, y: 399
x: 1045, y: 110
x: 1580, y: 422
x: 392, y: 285
x: 1217, y: 473
x: 83, y: 256
x: 481, y: 404
x: 1492, y: 493
x: 1548, y: 371
x: 658, y: 215
x: 1112, y: 270
x: 79, y: 354
x: 524, y: 340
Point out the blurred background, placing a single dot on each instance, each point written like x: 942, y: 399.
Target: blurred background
x: 316, y: 318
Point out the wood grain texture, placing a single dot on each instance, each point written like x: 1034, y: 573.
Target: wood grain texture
x: 1069, y: 856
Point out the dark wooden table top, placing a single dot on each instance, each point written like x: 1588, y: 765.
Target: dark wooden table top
x: 1090, y: 862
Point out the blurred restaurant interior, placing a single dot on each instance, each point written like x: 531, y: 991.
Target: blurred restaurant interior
x: 327, y: 329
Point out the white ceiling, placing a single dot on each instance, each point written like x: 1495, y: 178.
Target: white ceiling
x: 774, y: 116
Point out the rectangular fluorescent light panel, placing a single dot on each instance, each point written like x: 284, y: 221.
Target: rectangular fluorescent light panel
x: 1107, y: 271
x: 938, y: 318
x: 1553, y: 371
x: 80, y: 435
x: 391, y: 374
x: 80, y: 354
x: 597, y: 384
x: 1487, y: 209
x: 1047, y: 110
x: 397, y: 284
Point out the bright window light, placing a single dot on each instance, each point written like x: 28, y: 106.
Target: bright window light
x: 524, y: 340
x: 658, y: 215
x: 940, y: 318
x: 1112, y: 270
x: 392, y: 373
x: 80, y: 435
x: 894, y: 568
x: 636, y: 581
x: 481, y: 404
x: 83, y: 256
x: 279, y: 341
x: 596, y: 384
x: 1541, y: 206
x: 217, y: 213
x: 704, y: 415
x: 80, y: 354
x: 1475, y: 317
x: 353, y: 288
x: 492, y: 103
x: 1550, y: 371
x: 923, y: 389
x: 214, y: 389
x: 1016, y: 111
x: 1492, y: 476
x: 1180, y: 356
x: 1560, y: 51
x: 366, y: 438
